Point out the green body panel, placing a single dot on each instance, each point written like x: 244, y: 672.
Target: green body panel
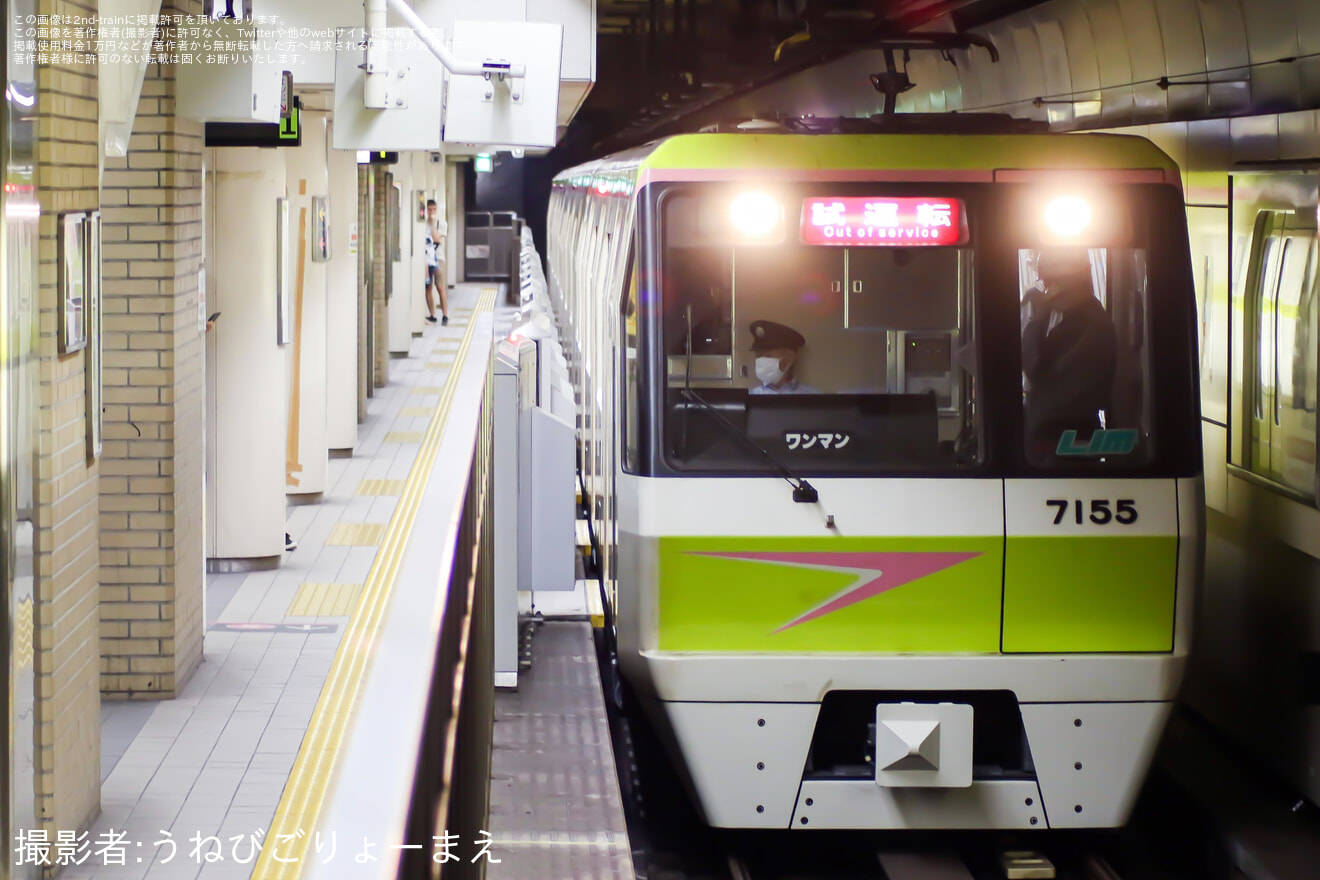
x: 863, y: 152
x: 719, y: 604
x: 1089, y: 594
x: 908, y: 151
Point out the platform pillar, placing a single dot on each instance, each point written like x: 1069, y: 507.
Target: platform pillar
x: 416, y: 231
x: 380, y: 278
x: 401, y: 259
x: 245, y: 402
x: 341, y: 367
x: 152, y: 575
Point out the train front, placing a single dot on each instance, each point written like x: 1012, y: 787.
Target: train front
x: 909, y: 514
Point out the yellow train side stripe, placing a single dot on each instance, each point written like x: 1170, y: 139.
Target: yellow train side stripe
x: 304, y: 795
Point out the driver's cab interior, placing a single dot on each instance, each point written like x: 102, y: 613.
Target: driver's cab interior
x: 878, y: 322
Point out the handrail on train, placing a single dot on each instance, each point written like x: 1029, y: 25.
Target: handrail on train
x: 415, y: 764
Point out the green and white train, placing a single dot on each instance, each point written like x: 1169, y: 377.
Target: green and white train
x: 901, y: 597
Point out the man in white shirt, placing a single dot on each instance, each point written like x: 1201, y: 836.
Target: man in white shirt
x: 776, y: 347
x: 435, y: 241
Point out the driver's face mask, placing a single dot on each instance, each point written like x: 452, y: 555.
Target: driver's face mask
x: 768, y: 371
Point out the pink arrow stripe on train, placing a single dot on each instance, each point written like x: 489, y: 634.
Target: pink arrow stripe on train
x: 876, y: 573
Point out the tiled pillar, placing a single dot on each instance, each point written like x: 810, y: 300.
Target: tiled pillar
x: 154, y: 350
x: 66, y: 704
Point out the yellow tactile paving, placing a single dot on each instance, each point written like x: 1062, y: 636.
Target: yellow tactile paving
x: 324, y: 600
x: 416, y: 412
x: 23, y: 634
x: 356, y: 535
x: 404, y: 436
x: 427, y: 389
x: 303, y: 798
x: 380, y: 487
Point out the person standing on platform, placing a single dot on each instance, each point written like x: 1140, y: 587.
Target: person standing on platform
x: 435, y: 240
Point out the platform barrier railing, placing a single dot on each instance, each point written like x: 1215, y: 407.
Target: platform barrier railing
x: 402, y: 787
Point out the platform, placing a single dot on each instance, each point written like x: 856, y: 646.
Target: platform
x: 217, y: 760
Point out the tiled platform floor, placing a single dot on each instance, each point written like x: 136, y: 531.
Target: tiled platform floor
x: 214, y: 762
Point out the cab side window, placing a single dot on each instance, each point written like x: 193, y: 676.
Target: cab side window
x: 1086, y: 361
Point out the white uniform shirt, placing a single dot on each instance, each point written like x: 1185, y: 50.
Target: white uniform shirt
x: 434, y: 245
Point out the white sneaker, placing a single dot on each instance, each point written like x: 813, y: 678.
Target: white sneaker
x: 289, y: 543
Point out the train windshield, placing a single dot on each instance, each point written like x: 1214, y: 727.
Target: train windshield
x: 809, y: 335
x: 855, y: 331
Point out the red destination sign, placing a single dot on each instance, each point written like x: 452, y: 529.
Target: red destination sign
x: 892, y: 222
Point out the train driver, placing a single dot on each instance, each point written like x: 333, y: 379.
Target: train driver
x: 1069, y: 351
x: 776, y: 347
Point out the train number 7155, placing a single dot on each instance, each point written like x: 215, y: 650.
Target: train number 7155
x: 1124, y: 510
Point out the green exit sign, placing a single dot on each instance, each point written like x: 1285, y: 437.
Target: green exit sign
x: 483, y: 162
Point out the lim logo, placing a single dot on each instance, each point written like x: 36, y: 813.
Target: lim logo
x: 1102, y: 443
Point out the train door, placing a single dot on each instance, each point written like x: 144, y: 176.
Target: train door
x: 1281, y: 314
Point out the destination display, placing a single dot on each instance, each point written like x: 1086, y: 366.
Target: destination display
x: 892, y: 222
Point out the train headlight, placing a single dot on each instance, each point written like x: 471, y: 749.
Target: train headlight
x: 1068, y: 216
x: 754, y: 214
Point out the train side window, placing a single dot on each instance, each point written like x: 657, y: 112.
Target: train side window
x: 1086, y: 360
x: 696, y: 280
x: 1281, y: 424
x: 631, y: 420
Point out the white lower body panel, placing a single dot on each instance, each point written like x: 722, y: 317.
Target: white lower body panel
x: 860, y: 804
x: 746, y: 763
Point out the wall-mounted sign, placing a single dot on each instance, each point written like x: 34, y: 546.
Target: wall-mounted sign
x: 393, y: 240
x: 286, y: 94
x: 283, y: 324
x: 320, y: 229
x: 879, y: 221
x: 92, y: 322
x: 73, y: 283
x: 285, y: 133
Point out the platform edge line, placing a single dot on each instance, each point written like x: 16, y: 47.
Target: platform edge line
x: 304, y: 793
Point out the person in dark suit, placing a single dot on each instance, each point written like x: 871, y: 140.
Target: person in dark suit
x: 1069, y: 351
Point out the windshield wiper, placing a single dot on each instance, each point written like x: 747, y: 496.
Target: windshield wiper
x: 803, y: 492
